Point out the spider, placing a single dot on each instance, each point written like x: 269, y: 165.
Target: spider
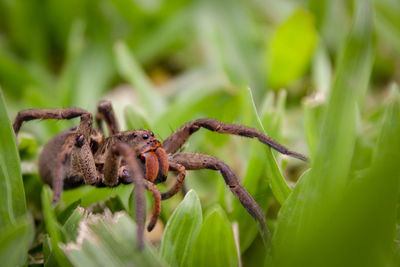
x: 83, y: 155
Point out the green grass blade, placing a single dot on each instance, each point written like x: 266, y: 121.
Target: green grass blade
x: 338, y: 131
x: 189, y: 104
x: 256, y: 184
x: 214, y: 245
x: 272, y: 120
x: 70, y: 227
x: 291, y: 49
x: 309, y: 212
x: 135, y: 119
x: 93, y: 73
x: 109, y: 240
x: 366, y: 219
x: 15, y: 241
x: 181, y: 230
x: 262, y: 169
x: 63, y: 216
x: 53, y: 227
x: 130, y: 69
x: 12, y: 195
x: 313, y: 107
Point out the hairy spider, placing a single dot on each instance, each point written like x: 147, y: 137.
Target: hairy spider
x: 83, y: 155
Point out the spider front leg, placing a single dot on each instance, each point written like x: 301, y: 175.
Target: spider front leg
x: 137, y: 175
x: 105, y: 112
x: 195, y: 161
x: 57, y: 114
x: 157, y: 204
x: 179, y: 137
x: 179, y: 180
x: 139, y: 179
x: 75, y: 145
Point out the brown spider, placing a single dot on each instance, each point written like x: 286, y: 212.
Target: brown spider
x: 83, y: 155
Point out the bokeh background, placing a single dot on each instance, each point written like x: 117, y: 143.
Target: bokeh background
x: 319, y: 76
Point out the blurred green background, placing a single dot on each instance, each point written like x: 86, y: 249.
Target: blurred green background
x: 318, y: 76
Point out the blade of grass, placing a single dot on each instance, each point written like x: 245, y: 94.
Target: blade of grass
x: 313, y: 107
x: 12, y: 195
x: 130, y: 69
x: 214, y: 245
x: 15, y: 241
x: 70, y: 227
x: 364, y: 231
x: 94, y: 71
x: 259, y: 174
x: 291, y: 49
x: 325, y: 183
x: 53, y: 227
x: 181, y: 230
x: 272, y: 121
x: 110, y: 240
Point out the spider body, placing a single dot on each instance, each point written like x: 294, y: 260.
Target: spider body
x: 146, y: 146
x: 84, y: 155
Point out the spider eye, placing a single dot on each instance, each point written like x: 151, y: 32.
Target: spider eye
x: 132, y: 136
x: 151, y: 134
x: 145, y: 136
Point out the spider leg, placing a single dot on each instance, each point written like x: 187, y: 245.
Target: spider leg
x: 137, y: 175
x: 157, y: 204
x: 195, y: 161
x: 75, y: 145
x: 111, y: 167
x: 179, y: 179
x: 58, y: 114
x: 151, y: 171
x: 179, y: 137
x: 59, y: 171
x: 82, y: 157
x: 105, y: 112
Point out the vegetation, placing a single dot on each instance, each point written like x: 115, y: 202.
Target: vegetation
x: 318, y: 76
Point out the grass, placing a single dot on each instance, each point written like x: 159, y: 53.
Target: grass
x: 318, y: 76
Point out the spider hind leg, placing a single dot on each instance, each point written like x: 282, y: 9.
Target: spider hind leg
x: 195, y: 161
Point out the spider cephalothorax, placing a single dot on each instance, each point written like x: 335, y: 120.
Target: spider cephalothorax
x: 83, y: 155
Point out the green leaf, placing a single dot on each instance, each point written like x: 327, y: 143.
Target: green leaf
x: 130, y: 69
x: 110, y: 240
x: 374, y: 192
x: 135, y: 119
x: 48, y: 256
x: 185, y: 107
x: 93, y: 73
x: 66, y: 213
x: 272, y: 119
x: 314, y: 107
x: 90, y: 194
x: 215, y: 244
x: 321, y: 70
x: 181, y: 230
x: 70, y: 227
x: 262, y: 169
x: 53, y: 227
x: 307, y: 214
x: 291, y: 49
x: 27, y: 146
x: 12, y: 195
x: 256, y: 184
x: 279, y: 187
x: 15, y: 241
